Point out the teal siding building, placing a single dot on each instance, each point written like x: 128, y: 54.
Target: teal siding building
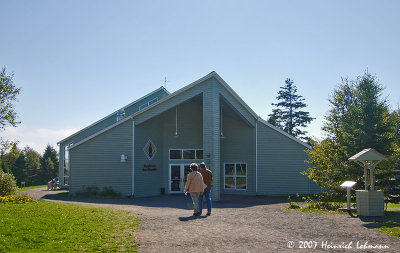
x: 145, y: 148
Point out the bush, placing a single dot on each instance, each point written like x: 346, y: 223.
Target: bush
x: 109, y: 192
x: 8, y: 186
x: 89, y: 191
x: 15, y: 198
x: 94, y: 191
x: 293, y: 205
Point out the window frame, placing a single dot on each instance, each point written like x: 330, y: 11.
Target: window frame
x: 182, y: 151
x: 235, y: 176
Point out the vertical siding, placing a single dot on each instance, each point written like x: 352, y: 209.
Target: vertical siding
x: 280, y: 162
x: 97, y: 161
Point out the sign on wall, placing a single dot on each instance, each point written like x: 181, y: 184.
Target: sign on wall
x: 150, y: 149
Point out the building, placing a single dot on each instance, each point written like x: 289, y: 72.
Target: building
x: 145, y: 148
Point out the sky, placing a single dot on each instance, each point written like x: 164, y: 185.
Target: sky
x: 78, y: 61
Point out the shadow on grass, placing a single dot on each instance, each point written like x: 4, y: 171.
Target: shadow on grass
x: 390, y: 220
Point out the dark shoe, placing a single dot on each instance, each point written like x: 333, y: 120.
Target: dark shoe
x: 197, y: 214
x: 209, y: 213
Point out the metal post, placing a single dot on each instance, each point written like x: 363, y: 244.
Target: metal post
x: 365, y: 178
x: 371, y: 175
x: 348, y: 198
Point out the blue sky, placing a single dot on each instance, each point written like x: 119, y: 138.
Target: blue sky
x: 78, y: 61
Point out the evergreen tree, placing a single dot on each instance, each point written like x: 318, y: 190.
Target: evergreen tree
x: 51, y: 153
x: 32, y: 159
x: 19, y: 169
x: 49, y: 172
x: 288, y: 115
x: 359, y: 118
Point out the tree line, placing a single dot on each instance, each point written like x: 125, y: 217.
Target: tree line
x: 29, y: 166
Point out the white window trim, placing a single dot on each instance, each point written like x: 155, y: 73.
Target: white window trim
x: 182, y: 149
x: 235, y: 189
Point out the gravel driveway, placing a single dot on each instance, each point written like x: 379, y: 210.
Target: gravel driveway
x: 241, y: 224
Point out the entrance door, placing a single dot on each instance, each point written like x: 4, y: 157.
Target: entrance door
x: 178, y: 174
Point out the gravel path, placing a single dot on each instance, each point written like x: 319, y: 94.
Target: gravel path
x: 241, y: 224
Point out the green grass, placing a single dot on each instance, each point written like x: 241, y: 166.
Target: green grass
x: 393, y: 205
x: 392, y: 226
x: 31, y: 187
x: 42, y: 226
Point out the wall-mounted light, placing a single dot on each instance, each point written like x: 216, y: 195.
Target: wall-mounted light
x: 124, y: 158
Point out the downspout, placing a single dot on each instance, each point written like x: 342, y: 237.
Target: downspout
x: 257, y: 155
x: 133, y: 157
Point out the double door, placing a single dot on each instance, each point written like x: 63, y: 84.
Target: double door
x: 177, y: 175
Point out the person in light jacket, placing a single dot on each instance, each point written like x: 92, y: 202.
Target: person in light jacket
x: 194, y: 184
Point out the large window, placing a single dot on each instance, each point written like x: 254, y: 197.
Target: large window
x: 235, y: 176
x: 66, y: 164
x: 185, y: 154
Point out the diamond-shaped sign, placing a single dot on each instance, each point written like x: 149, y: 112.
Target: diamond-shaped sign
x: 150, y: 150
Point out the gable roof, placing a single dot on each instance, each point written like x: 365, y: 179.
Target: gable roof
x: 213, y: 74
x: 114, y: 113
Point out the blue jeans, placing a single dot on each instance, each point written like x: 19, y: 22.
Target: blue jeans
x: 207, y: 195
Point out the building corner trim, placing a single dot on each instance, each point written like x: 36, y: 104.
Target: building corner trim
x: 133, y: 157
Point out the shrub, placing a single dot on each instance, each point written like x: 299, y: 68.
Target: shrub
x: 94, y: 191
x: 109, y: 192
x: 8, y: 186
x: 293, y: 205
x: 89, y: 191
x: 15, y: 198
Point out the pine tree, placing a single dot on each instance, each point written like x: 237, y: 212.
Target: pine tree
x: 288, y: 115
x: 50, y: 156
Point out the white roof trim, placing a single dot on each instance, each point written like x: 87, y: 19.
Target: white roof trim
x: 100, y: 132
x: 284, y: 133
x: 134, y: 102
x: 187, y: 87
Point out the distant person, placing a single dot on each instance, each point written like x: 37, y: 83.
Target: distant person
x: 207, y: 178
x: 195, y: 185
x: 51, y: 184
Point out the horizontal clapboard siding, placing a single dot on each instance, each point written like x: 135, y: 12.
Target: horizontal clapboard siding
x: 104, y: 123
x: 97, y: 161
x: 160, y: 129
x: 280, y: 162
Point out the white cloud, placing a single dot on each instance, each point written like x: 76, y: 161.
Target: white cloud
x: 36, y: 138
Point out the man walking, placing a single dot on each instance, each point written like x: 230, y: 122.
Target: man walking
x: 207, y: 178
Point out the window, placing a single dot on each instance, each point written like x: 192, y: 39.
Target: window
x: 175, y: 154
x: 185, y: 154
x: 235, y: 176
x: 148, y: 103
x: 66, y: 164
x: 189, y: 154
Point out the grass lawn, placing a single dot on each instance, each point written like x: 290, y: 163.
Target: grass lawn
x: 42, y: 226
x: 31, y: 187
x: 391, y: 227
